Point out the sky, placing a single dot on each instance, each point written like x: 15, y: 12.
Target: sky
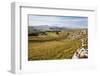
x: 60, y: 21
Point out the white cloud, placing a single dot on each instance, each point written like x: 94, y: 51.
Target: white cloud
x: 58, y: 21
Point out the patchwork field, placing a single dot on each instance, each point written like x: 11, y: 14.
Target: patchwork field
x: 55, y: 45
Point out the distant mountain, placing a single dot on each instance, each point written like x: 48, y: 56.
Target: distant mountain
x: 43, y: 28
x: 47, y: 27
x: 40, y: 28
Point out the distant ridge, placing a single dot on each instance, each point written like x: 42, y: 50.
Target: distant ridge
x: 44, y: 28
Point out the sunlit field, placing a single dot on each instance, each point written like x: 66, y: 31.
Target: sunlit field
x: 56, y: 45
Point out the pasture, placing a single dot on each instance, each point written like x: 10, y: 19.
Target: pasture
x: 53, y: 46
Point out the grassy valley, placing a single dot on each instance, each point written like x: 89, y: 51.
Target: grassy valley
x: 51, y: 45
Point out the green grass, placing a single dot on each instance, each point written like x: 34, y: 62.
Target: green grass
x: 52, y: 34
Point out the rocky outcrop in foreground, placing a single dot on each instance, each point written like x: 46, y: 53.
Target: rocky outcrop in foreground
x: 80, y: 53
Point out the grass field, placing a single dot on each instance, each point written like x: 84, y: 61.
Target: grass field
x: 54, y: 46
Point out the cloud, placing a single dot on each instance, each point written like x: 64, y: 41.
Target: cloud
x: 66, y: 21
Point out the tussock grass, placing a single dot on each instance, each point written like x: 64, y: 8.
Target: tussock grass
x: 52, y: 47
